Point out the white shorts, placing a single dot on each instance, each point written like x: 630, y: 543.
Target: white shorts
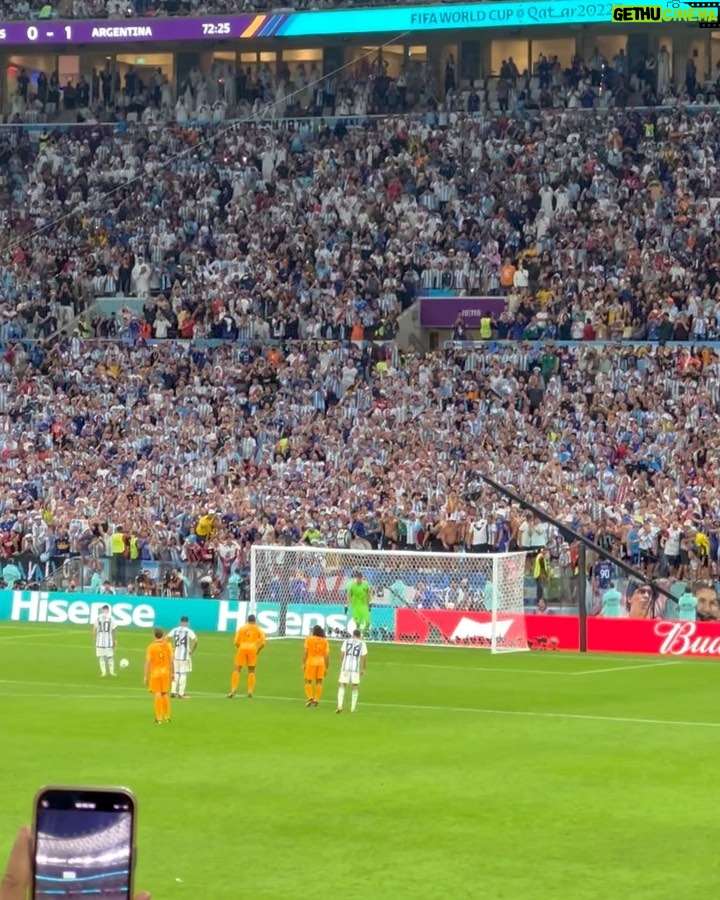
x: 349, y: 678
x: 104, y: 652
x: 183, y: 666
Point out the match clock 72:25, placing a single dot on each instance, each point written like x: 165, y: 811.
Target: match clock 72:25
x: 211, y: 28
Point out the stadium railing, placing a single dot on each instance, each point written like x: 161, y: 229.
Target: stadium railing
x: 314, y: 124
x: 564, y: 590
x: 142, y: 577
x: 539, y: 343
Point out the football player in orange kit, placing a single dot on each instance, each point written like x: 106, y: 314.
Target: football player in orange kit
x: 159, y: 671
x: 316, y: 659
x: 249, y: 640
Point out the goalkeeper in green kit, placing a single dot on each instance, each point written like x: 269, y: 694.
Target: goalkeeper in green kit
x: 359, y: 601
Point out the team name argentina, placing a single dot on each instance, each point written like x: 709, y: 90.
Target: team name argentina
x: 662, y: 14
x: 123, y: 31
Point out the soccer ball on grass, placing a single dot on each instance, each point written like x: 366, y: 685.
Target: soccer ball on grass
x: 124, y: 663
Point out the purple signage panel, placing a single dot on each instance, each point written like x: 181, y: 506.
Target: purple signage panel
x: 442, y: 312
x: 102, y: 31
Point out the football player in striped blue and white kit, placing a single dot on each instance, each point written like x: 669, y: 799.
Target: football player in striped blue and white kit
x: 104, y: 636
x: 185, y: 642
x: 353, y: 664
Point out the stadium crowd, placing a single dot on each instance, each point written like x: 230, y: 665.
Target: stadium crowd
x: 222, y: 92
x: 297, y: 250
x: 256, y: 231
x: 367, y: 86
x: 197, y: 452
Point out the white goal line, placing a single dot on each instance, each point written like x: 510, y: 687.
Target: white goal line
x: 512, y: 670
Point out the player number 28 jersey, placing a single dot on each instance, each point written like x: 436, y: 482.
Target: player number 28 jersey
x: 353, y: 651
x: 182, y: 639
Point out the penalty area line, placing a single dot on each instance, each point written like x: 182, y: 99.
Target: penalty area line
x: 417, y: 707
x: 530, y: 714
x: 20, y: 695
x: 501, y: 670
x: 656, y: 665
x: 111, y: 685
x: 25, y: 634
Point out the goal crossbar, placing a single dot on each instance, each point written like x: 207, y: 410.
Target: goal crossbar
x: 455, y: 599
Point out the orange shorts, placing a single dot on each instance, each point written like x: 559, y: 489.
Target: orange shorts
x: 314, y: 673
x: 159, y: 684
x: 246, y: 658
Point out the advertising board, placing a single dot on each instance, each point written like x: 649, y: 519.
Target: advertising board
x: 218, y: 616
x: 474, y: 629
x: 656, y: 637
x: 345, y: 22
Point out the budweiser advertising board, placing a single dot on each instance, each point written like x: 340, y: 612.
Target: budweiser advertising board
x: 654, y: 636
x: 643, y: 636
x: 475, y: 629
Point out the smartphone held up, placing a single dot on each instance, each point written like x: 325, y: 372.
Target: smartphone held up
x: 84, y: 843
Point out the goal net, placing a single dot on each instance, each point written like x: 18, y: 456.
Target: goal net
x: 415, y: 598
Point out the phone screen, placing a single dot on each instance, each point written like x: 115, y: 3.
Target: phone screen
x: 84, y: 844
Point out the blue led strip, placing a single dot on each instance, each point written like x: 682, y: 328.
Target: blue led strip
x: 80, y: 878
x: 384, y: 20
x: 269, y: 28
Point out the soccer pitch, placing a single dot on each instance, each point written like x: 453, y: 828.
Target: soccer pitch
x: 462, y: 775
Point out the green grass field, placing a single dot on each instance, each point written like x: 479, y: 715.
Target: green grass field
x: 462, y: 775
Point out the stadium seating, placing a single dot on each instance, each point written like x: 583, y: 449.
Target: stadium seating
x: 589, y: 227
x: 283, y: 257
x: 219, y: 91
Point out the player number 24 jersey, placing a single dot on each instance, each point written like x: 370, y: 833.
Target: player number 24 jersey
x: 182, y: 639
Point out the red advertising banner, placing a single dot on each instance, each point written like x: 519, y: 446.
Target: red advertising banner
x: 474, y: 629
x: 660, y: 637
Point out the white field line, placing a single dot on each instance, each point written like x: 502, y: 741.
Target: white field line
x: 43, y: 696
x: 497, y: 669
x: 26, y: 635
x: 15, y: 627
x: 512, y: 671
x: 29, y: 632
x: 110, y: 683
x: 656, y: 665
x: 120, y: 651
x: 417, y: 707
x: 61, y: 645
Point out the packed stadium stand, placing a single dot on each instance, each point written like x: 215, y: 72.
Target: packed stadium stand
x: 201, y: 322
x: 372, y: 84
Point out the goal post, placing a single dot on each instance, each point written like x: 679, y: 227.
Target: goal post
x: 452, y: 599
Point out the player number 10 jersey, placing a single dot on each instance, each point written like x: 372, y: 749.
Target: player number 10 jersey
x: 104, y: 637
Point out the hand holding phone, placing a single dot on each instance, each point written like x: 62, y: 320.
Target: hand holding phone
x: 17, y: 879
x: 83, y: 841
